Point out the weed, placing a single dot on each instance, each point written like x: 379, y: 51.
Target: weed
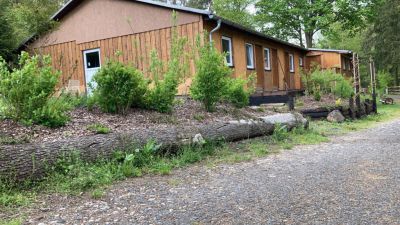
x: 97, y: 194
x: 199, y: 117
x: 99, y: 128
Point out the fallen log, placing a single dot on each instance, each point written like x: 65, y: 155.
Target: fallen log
x: 31, y: 160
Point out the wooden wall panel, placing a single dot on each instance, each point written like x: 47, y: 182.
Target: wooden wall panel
x: 135, y: 50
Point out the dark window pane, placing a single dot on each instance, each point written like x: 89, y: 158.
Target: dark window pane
x: 92, y: 60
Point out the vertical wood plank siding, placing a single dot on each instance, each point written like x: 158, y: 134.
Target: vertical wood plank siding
x: 135, y: 50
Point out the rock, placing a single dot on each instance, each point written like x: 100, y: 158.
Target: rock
x: 335, y: 117
x: 198, y: 139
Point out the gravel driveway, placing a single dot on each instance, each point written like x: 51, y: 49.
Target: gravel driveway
x: 355, y: 179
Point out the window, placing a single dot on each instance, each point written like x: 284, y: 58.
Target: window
x: 301, y: 62
x: 291, y: 63
x: 267, y: 59
x: 227, y: 49
x: 250, y: 56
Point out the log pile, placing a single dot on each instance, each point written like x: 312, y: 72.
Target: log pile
x: 31, y: 160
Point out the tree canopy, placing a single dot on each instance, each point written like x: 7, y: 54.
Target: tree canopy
x: 383, y: 39
x: 303, y: 19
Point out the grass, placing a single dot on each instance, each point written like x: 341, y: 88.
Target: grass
x: 72, y: 176
x: 99, y: 128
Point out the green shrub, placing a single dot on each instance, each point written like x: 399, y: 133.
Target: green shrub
x: 385, y: 79
x: 162, y: 96
x: 343, y: 88
x: 53, y: 114
x: 118, y: 87
x: 236, y: 92
x: 320, y: 82
x: 27, y: 92
x: 210, y: 83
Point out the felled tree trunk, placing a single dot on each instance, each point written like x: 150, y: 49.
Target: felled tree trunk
x: 30, y: 160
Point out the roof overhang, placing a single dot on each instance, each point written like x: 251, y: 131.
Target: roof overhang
x: 331, y: 50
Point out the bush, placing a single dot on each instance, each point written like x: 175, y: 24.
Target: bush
x: 236, y: 93
x: 118, y: 87
x: 210, y: 82
x: 53, y: 114
x: 161, y: 97
x: 343, y: 88
x: 385, y: 79
x: 320, y: 82
x: 27, y: 92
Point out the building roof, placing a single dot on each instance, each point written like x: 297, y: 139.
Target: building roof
x: 71, y: 4
x: 331, y: 50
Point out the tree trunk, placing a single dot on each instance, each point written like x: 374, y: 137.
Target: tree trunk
x: 30, y: 160
x: 309, y: 39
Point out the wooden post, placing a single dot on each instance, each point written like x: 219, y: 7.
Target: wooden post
x: 373, y: 84
x: 357, y: 89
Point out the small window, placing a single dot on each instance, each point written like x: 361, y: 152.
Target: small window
x: 267, y: 59
x: 227, y: 49
x: 250, y: 56
x: 291, y: 63
x: 301, y: 62
x: 92, y: 60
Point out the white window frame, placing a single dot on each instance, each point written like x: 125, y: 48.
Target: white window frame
x: 267, y: 59
x: 301, y: 61
x: 291, y: 63
x: 251, y: 66
x: 230, y: 50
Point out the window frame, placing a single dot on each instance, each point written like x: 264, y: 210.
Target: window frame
x: 229, y: 39
x: 267, y: 61
x: 291, y: 63
x: 301, y: 61
x: 252, y: 66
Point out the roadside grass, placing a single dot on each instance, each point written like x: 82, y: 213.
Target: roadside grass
x: 72, y: 176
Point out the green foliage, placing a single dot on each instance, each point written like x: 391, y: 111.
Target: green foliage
x: 235, y: 92
x: 53, y: 114
x: 385, y: 80
x: 118, y: 87
x: 288, y: 19
x: 6, y: 34
x: 382, y: 43
x: 161, y: 97
x: 320, y: 82
x: 99, y: 128
x: 210, y: 82
x: 27, y: 92
x: 236, y: 11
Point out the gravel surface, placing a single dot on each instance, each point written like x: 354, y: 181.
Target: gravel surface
x: 354, y: 179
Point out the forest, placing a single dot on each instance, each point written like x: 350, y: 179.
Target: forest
x: 368, y: 27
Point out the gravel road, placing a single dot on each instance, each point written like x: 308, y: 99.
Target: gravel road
x: 354, y: 179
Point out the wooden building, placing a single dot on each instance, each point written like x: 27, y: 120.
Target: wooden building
x: 338, y: 60
x: 90, y: 31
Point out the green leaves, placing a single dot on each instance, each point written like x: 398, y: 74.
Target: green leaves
x: 27, y: 92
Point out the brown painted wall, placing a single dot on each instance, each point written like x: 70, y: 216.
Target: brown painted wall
x: 135, y: 49
x: 102, y: 19
x: 331, y: 60
x: 268, y: 81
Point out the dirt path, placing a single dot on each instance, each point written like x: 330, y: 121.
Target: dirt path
x: 354, y: 179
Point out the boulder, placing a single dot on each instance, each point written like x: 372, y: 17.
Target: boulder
x: 335, y: 117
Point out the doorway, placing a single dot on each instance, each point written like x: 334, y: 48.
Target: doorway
x: 92, y: 65
x: 260, y: 68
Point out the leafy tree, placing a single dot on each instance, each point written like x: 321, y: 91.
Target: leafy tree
x: 303, y: 19
x: 6, y: 35
x: 236, y: 10
x: 384, y: 37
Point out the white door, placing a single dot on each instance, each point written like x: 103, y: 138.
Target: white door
x: 92, y: 65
